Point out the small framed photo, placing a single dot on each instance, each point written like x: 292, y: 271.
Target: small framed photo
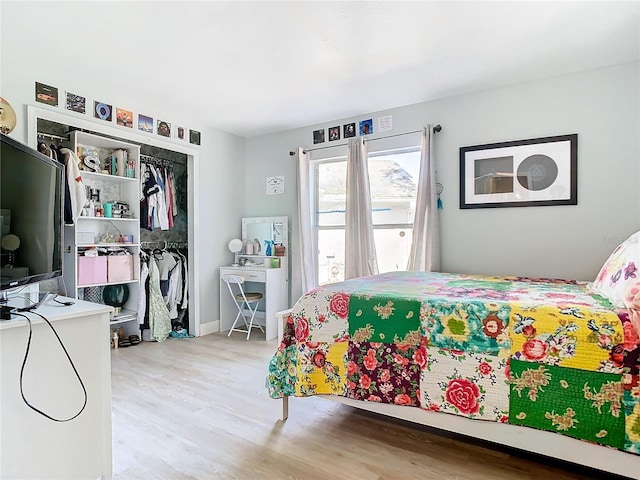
x: 76, y: 103
x: 145, y: 124
x: 334, y: 133
x: 318, y: 136
x: 522, y: 173
x: 366, y: 127
x: 194, y: 137
x: 181, y: 133
x: 349, y: 130
x: 164, y: 128
x: 46, y: 94
x: 103, y: 111
x: 124, y: 118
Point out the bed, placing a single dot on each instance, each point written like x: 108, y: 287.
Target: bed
x: 548, y: 366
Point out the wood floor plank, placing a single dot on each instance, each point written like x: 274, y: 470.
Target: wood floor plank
x: 198, y: 409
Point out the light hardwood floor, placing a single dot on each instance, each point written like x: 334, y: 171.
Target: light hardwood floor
x: 198, y: 409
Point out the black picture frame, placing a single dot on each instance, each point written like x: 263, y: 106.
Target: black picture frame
x: 523, y: 173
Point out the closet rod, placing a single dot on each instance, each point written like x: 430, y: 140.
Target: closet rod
x: 49, y: 135
x: 161, y: 161
x: 437, y: 128
x: 165, y: 244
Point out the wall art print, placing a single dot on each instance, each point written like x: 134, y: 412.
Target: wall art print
x: 46, y: 94
x: 334, y: 133
x: 318, y: 136
x: 366, y: 127
x: 522, y: 173
x: 349, y: 130
x: 76, y: 103
x: 145, y: 124
x: 164, y: 128
x: 124, y: 118
x: 194, y: 137
x: 102, y: 111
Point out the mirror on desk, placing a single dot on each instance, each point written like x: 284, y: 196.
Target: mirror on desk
x: 273, y: 229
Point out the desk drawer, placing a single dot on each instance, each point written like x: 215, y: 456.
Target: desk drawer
x: 254, y: 275
x: 248, y: 274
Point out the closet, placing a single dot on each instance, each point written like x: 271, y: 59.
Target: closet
x: 162, y: 233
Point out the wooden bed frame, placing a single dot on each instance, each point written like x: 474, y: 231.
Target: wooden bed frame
x: 527, y: 439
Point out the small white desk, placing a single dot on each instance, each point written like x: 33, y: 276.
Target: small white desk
x: 273, y: 283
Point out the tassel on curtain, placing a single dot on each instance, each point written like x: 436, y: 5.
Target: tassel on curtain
x: 307, y: 257
x: 360, y: 250
x: 425, y: 241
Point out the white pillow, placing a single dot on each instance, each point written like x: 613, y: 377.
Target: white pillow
x: 620, y: 271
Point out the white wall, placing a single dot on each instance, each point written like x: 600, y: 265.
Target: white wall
x: 602, y: 106
x: 220, y: 162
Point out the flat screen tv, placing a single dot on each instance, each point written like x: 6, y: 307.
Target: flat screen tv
x: 31, y: 215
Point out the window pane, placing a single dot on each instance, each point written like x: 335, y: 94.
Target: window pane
x: 332, y: 182
x: 394, y: 187
x: 330, y: 256
x: 392, y: 248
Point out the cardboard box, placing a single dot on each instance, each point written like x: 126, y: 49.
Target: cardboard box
x: 119, y: 268
x: 92, y: 270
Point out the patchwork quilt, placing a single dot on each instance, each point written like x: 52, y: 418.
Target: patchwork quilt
x: 541, y: 353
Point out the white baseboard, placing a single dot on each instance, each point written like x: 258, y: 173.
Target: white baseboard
x: 209, y: 327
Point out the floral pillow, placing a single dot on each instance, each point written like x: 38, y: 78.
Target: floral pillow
x: 619, y: 272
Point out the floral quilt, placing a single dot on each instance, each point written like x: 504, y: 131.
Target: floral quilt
x: 542, y: 353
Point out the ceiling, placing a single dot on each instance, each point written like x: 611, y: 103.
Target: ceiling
x: 253, y: 68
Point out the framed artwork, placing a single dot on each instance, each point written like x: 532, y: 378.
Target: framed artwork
x: 366, y: 127
x: 76, y: 103
x: 124, y: 118
x: 194, y: 137
x: 334, y: 133
x: 145, y: 124
x: 522, y: 173
x: 102, y: 111
x: 349, y: 130
x: 46, y: 94
x: 164, y: 128
x: 318, y: 136
x: 180, y: 133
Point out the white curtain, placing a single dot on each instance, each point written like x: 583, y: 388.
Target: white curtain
x: 425, y: 242
x: 308, y: 253
x: 360, y: 250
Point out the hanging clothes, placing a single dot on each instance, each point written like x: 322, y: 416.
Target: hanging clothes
x: 142, y: 291
x: 77, y: 195
x: 159, y: 321
x: 160, y: 210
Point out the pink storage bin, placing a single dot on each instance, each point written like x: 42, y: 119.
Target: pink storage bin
x: 92, y: 270
x: 119, y: 268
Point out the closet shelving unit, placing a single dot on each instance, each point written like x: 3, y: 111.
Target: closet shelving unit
x: 102, y: 232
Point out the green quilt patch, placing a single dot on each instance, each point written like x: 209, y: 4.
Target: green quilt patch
x: 578, y: 403
x: 379, y: 318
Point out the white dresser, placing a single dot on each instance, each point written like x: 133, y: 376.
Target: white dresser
x: 271, y: 282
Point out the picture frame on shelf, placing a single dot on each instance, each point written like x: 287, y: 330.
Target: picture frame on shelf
x: 522, y: 173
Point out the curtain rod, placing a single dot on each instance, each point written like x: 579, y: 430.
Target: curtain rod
x: 436, y: 129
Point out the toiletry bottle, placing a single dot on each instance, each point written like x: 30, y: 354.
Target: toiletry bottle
x: 267, y: 244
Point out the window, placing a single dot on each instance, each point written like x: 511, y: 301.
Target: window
x: 393, y: 181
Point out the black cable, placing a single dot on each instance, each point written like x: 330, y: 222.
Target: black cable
x: 66, y: 304
x: 24, y: 362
